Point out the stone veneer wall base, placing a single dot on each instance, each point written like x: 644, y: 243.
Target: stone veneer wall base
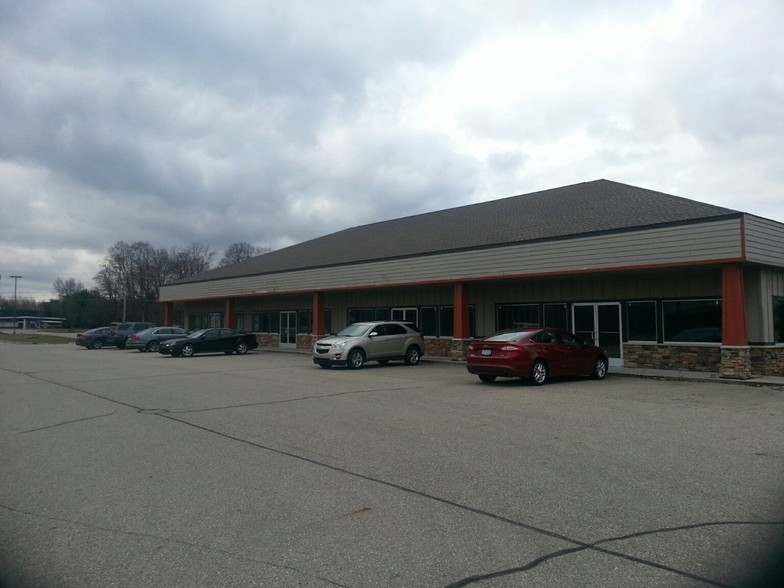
x: 735, y: 363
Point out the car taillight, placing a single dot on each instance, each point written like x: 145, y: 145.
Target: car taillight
x: 509, y: 348
x: 135, y: 337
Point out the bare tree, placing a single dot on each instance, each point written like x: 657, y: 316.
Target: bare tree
x: 240, y: 252
x: 131, y: 274
x: 66, y: 287
x: 192, y: 260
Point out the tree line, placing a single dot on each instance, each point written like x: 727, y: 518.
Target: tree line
x: 127, y: 284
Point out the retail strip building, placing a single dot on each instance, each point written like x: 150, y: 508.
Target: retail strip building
x: 658, y: 280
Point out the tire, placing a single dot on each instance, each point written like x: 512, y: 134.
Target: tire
x: 599, y: 369
x: 97, y: 344
x: 538, y: 373
x: 241, y: 348
x: 355, y: 359
x: 152, y: 346
x: 487, y: 379
x: 413, y: 355
x: 187, y: 350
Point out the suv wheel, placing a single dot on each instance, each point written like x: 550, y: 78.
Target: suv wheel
x: 355, y: 359
x: 413, y: 355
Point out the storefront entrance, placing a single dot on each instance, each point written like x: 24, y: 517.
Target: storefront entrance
x: 288, y: 328
x: 600, y: 323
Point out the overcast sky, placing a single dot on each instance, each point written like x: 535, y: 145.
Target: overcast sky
x: 275, y: 122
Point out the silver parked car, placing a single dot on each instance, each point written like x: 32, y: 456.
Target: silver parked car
x: 150, y: 339
x: 378, y: 341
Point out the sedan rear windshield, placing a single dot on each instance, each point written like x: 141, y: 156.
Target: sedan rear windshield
x: 509, y: 336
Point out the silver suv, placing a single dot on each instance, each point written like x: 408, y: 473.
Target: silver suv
x: 377, y: 341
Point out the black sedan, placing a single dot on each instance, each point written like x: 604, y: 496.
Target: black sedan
x: 210, y: 341
x: 96, y: 338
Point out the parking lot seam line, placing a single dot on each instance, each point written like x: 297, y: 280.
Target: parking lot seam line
x: 287, y: 400
x: 98, y: 416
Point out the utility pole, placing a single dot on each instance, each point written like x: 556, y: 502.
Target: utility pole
x: 15, y: 279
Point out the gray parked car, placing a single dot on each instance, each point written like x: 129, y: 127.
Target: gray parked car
x: 149, y: 339
x: 125, y: 330
x: 95, y: 338
x: 378, y: 341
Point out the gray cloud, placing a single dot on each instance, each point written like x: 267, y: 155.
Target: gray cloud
x: 275, y: 122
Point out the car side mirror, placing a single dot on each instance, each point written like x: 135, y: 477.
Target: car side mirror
x: 373, y: 334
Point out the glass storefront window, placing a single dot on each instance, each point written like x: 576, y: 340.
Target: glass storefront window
x: 641, y: 318
x: 304, y: 321
x: 556, y: 316
x: 428, y: 321
x: 446, y: 321
x: 517, y: 316
x: 778, y: 319
x: 692, y: 321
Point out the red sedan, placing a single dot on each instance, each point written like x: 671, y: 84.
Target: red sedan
x: 535, y: 354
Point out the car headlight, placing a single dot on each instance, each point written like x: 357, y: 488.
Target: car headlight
x: 340, y: 345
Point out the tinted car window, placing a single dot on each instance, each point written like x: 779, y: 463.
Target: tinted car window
x: 395, y: 329
x: 569, y: 339
x: 546, y: 337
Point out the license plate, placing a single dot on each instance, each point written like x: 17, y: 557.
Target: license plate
x: 486, y: 352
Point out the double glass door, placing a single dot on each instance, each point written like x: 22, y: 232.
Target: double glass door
x: 288, y: 328
x: 600, y: 323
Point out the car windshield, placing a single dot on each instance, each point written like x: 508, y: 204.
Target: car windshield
x: 509, y: 336
x: 354, y: 330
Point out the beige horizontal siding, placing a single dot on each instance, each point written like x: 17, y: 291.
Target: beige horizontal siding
x: 703, y: 242
x: 764, y: 241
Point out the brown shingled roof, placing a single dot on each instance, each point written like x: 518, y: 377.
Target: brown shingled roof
x: 593, y: 207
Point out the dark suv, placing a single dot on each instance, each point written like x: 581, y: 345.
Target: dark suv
x: 125, y: 330
x: 373, y: 341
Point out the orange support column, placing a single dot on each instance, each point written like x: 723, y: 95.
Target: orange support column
x: 318, y: 315
x: 229, y: 314
x: 462, y: 328
x: 733, y: 306
x: 168, y: 314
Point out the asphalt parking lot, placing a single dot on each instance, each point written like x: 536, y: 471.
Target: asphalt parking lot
x: 120, y: 468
